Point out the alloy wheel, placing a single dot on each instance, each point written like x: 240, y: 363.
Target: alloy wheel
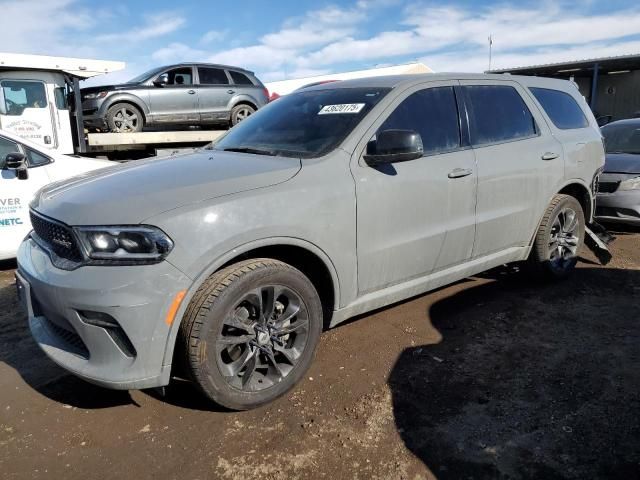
x: 262, y: 338
x: 564, y: 239
x: 126, y: 120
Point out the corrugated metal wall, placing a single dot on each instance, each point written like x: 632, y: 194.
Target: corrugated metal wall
x: 618, y: 95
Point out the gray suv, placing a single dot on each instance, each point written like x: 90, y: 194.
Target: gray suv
x: 176, y: 95
x: 223, y: 266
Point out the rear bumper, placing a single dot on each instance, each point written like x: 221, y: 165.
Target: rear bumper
x: 62, y: 306
x: 620, y: 206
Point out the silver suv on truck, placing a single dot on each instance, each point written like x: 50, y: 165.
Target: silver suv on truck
x: 177, y: 95
x: 225, y: 265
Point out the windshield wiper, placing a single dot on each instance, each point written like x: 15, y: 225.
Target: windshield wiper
x: 255, y: 151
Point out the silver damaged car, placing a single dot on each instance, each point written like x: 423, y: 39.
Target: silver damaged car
x: 225, y: 265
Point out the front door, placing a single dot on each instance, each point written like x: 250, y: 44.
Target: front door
x: 416, y: 217
x: 177, y: 100
x: 519, y: 164
x: 15, y: 195
x: 27, y: 111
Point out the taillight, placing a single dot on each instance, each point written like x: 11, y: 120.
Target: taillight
x: 266, y: 92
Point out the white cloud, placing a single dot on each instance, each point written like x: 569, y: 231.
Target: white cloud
x: 155, y: 25
x: 213, y: 36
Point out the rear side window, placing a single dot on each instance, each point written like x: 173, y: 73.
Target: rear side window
x: 240, y: 78
x: 212, y: 76
x: 497, y: 113
x: 433, y: 113
x: 562, y: 109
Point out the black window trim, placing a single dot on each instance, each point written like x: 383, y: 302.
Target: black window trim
x: 464, y: 94
x: 539, y: 104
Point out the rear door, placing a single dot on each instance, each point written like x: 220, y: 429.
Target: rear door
x: 15, y: 195
x: 177, y: 101
x: 519, y: 164
x: 214, y: 94
x: 418, y: 216
x: 27, y: 111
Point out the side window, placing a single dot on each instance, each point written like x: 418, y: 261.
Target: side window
x: 562, y: 109
x: 21, y: 94
x: 212, y: 76
x: 35, y: 159
x: 497, y: 113
x: 7, y: 146
x: 240, y: 78
x: 433, y: 113
x: 180, y: 76
x: 61, y: 98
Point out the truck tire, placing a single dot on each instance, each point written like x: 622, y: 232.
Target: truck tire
x: 559, y: 238
x: 250, y: 332
x: 240, y: 112
x: 124, y: 118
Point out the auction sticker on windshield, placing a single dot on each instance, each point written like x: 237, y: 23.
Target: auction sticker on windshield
x: 341, y: 108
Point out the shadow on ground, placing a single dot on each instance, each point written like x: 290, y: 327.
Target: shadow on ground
x: 529, y: 381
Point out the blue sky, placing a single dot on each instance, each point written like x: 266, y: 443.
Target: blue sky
x: 289, y: 39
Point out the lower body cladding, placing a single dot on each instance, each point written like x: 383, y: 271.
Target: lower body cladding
x: 107, y: 325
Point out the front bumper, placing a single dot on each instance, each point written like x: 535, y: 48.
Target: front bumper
x: 61, y: 305
x: 92, y: 114
x: 619, y: 206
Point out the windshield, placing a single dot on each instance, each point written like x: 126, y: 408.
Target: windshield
x: 624, y: 138
x: 305, y: 124
x: 145, y: 76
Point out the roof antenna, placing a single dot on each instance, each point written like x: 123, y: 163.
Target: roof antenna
x: 490, y: 45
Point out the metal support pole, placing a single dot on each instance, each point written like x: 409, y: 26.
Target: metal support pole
x: 594, y: 87
x: 79, y: 120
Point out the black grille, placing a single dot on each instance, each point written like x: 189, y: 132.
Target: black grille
x: 608, y: 187
x: 58, y: 237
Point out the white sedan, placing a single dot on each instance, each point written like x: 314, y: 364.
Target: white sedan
x: 28, y: 168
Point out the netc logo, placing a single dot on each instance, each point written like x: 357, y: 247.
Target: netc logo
x: 9, y: 222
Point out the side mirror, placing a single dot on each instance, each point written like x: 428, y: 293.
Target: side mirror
x: 17, y: 162
x: 393, y: 146
x: 162, y: 80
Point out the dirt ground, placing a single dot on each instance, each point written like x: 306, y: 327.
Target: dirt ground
x: 494, y: 377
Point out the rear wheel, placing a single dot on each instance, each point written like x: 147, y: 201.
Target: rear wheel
x: 559, y: 237
x: 241, y: 112
x: 250, y: 332
x: 124, y: 118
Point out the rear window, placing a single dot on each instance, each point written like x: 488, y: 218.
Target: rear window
x: 562, y: 109
x: 240, y: 78
x: 497, y: 113
x: 212, y: 76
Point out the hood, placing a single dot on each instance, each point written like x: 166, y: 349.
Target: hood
x: 107, y: 88
x: 622, y: 163
x: 133, y: 192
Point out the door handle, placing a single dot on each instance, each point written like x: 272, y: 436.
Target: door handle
x: 549, y: 156
x: 460, y: 172
x: 191, y: 92
x: 231, y: 91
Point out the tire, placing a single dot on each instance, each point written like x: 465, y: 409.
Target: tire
x: 238, y: 356
x: 124, y: 118
x: 559, y: 238
x: 240, y: 112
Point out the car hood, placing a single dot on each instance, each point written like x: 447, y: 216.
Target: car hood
x: 133, y: 192
x: 107, y: 88
x: 622, y: 163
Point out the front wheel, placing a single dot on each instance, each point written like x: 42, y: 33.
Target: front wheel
x: 250, y: 332
x: 124, y: 118
x: 559, y: 237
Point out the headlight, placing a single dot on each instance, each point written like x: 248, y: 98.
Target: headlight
x: 127, y: 244
x: 630, y: 184
x: 90, y: 96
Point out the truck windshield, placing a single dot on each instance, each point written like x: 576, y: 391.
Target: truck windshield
x: 304, y: 124
x: 622, y: 138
